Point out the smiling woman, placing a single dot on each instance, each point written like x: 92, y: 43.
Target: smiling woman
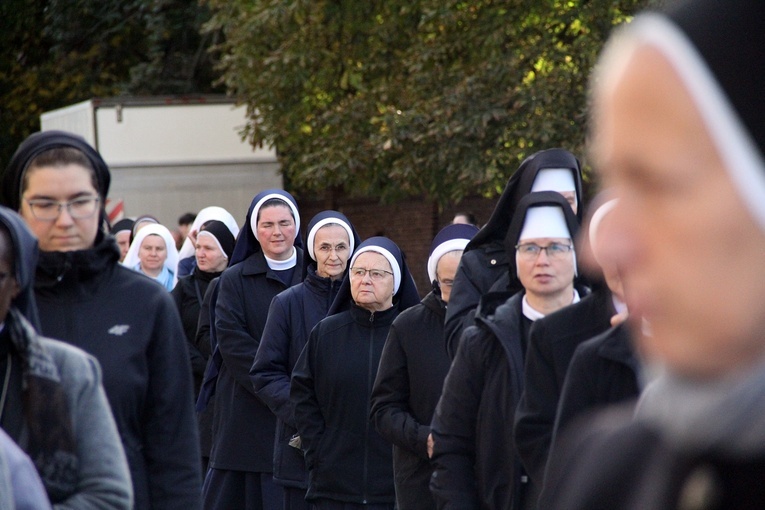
x: 152, y: 253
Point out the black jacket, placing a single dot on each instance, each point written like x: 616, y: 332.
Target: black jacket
x: 408, y: 385
x: 292, y: 316
x: 243, y: 426
x: 613, y: 462
x: 130, y: 324
x: 475, y: 462
x: 188, y: 294
x: 332, y: 382
x: 552, y: 342
x: 603, y: 371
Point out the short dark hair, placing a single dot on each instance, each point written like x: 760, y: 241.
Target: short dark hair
x: 187, y: 218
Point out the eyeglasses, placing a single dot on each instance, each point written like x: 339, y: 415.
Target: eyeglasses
x: 445, y: 283
x: 531, y: 251
x: 340, y: 248
x: 375, y: 274
x: 48, y: 210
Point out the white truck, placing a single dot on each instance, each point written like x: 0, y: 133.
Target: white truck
x: 171, y: 155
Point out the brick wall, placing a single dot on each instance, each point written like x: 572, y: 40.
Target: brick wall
x: 411, y: 224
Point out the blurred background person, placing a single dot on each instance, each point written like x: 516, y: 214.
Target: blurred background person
x: 122, y: 231
x: 185, y: 221
x: 152, y: 253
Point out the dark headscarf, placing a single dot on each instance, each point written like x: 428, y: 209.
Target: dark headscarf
x: 122, y: 225
x: 51, y: 443
x: 538, y: 199
x: 320, y: 220
x: 405, y: 296
x: 519, y: 185
x: 24, y: 253
x: 222, y: 234
x: 246, y: 243
x: 34, y: 145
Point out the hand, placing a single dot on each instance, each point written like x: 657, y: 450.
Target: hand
x: 430, y: 446
x: 193, y: 237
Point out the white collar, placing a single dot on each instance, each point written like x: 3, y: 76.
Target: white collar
x: 532, y: 314
x: 281, y: 265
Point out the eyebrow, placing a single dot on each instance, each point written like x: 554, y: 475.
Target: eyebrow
x: 74, y: 196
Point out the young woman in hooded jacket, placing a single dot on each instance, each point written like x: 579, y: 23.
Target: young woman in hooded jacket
x: 126, y: 321
x: 349, y: 463
x: 331, y: 240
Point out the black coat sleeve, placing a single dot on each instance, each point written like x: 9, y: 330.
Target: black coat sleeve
x: 270, y: 372
x: 390, y: 410
x: 454, y: 483
x: 307, y: 411
x: 535, y: 416
x: 202, y: 340
x: 462, y: 305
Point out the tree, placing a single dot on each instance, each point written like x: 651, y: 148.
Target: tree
x: 434, y: 98
x: 62, y: 52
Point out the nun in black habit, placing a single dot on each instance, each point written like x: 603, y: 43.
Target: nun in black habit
x: 349, y: 463
x: 474, y: 457
x: 679, y: 136
x: 331, y: 240
x: 267, y: 259
x: 484, y: 265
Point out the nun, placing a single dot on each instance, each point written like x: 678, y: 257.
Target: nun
x: 349, y: 463
x: 186, y: 255
x: 484, y: 265
x: 476, y: 464
x: 52, y: 402
x: 267, y: 259
x: 330, y: 243
x: 153, y: 253
x: 412, y: 369
x: 121, y: 231
x: 679, y: 135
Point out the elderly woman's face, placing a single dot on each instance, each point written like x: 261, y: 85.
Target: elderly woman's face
x: 368, y: 292
x: 331, y: 247
x: 210, y: 258
x: 691, y: 256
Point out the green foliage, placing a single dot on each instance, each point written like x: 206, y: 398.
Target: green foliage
x: 60, y: 52
x: 440, y: 98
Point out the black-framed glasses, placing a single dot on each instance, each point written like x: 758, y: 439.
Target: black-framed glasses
x: 48, y: 210
x: 530, y: 251
x: 375, y: 274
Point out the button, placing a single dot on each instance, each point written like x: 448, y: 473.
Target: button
x: 493, y: 262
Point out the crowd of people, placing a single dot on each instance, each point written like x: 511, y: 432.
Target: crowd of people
x: 570, y: 353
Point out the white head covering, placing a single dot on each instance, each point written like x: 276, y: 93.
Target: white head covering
x: 256, y: 211
x: 388, y: 256
x: 205, y: 215
x: 554, y: 179
x: 171, y: 262
x: 547, y: 221
x: 324, y: 223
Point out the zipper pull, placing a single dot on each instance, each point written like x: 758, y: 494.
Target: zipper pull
x: 372, y: 317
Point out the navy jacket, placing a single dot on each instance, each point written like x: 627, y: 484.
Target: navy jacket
x: 332, y: 382
x: 476, y: 466
x: 552, y: 342
x: 130, y: 324
x: 292, y: 316
x: 412, y: 370
x: 243, y: 426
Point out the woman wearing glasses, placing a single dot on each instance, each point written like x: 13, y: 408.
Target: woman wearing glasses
x: 59, y: 183
x: 349, y: 464
x: 476, y: 465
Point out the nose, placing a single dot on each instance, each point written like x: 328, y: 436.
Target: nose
x: 64, y: 218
